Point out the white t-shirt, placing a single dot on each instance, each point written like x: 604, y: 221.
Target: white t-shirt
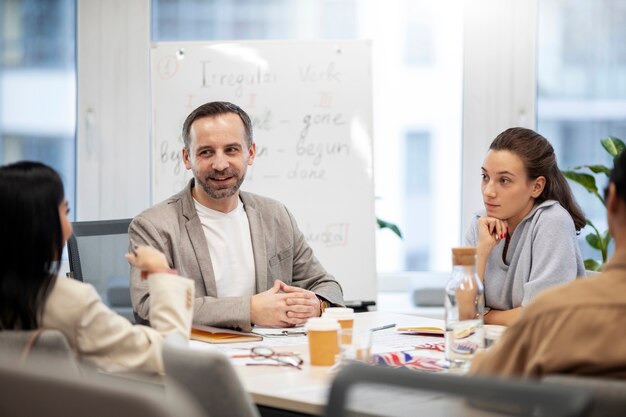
x: 230, y: 245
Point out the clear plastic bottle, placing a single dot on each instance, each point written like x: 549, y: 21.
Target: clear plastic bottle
x: 465, y: 304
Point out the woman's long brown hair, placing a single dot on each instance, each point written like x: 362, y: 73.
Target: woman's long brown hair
x: 539, y: 159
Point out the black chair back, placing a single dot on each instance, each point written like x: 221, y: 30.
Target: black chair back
x: 96, y: 255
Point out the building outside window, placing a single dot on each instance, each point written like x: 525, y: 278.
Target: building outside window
x: 38, y: 85
x: 581, y: 96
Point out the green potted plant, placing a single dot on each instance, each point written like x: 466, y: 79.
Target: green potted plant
x: 580, y: 175
x: 382, y: 224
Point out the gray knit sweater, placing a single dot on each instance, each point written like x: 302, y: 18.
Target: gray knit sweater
x: 543, y: 251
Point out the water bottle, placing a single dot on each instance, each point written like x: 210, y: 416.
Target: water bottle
x: 465, y: 304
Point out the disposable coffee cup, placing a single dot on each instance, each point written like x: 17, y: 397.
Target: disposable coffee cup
x: 359, y: 347
x: 345, y: 317
x: 323, y: 335
x: 493, y: 333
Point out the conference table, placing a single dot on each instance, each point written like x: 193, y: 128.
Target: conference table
x: 282, y: 391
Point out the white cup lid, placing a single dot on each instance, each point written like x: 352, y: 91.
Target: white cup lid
x: 339, y: 313
x: 322, y: 324
x: 493, y: 331
x: 342, y: 310
x: 339, y: 316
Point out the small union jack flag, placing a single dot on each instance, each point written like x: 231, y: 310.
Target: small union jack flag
x: 464, y: 348
x: 439, y: 347
x: 408, y: 360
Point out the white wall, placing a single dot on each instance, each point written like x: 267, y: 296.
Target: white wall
x: 499, y: 85
x: 112, y: 150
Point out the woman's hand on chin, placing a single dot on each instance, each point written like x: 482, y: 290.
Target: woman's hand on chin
x: 491, y: 231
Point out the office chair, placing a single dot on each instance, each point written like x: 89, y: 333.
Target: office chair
x: 609, y: 395
x: 42, y: 390
x: 46, y: 345
x: 208, y: 376
x: 96, y: 254
x: 386, y: 391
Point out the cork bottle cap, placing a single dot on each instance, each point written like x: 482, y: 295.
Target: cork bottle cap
x: 464, y: 256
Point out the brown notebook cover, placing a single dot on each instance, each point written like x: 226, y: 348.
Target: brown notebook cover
x: 210, y: 334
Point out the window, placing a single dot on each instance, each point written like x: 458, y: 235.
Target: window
x: 581, y: 87
x: 419, y: 47
x: 414, y: 90
x: 38, y: 85
x: 417, y: 191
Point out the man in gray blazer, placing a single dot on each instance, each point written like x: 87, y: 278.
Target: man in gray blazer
x: 250, y: 262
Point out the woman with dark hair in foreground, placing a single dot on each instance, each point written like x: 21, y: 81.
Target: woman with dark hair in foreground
x: 34, y: 229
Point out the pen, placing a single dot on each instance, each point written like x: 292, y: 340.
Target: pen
x: 386, y: 326
x: 288, y: 333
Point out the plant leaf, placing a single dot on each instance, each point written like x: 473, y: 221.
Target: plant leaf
x: 614, y: 146
x: 597, y: 169
x: 590, y: 223
x: 593, y: 241
x: 382, y: 224
x: 606, y: 238
x: 586, y: 180
x: 592, y: 265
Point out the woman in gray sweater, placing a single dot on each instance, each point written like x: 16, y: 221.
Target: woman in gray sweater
x: 526, y: 236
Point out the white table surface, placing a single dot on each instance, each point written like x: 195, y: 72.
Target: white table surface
x: 306, y: 390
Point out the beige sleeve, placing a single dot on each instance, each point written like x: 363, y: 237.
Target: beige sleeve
x: 171, y: 304
x: 142, y: 232
x: 539, y: 344
x: 112, y: 343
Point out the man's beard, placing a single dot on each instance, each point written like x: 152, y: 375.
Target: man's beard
x: 218, y: 192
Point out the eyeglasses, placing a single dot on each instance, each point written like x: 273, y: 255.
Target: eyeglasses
x: 262, y: 353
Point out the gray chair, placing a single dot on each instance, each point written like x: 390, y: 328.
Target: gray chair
x: 96, y: 254
x: 376, y: 390
x: 429, y: 297
x: 34, y: 391
x: 45, y: 345
x: 208, y: 376
x: 609, y: 395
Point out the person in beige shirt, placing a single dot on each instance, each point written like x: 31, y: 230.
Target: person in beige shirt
x: 576, y: 328
x: 34, y: 228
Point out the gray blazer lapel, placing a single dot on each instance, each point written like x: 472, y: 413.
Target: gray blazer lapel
x: 258, y: 244
x: 198, y: 243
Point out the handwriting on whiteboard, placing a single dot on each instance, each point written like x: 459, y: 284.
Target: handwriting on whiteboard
x: 335, y: 234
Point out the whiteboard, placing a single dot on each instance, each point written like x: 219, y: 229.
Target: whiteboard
x: 310, y: 104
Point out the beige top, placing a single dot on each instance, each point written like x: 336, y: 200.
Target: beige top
x: 577, y: 328
x: 109, y: 341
